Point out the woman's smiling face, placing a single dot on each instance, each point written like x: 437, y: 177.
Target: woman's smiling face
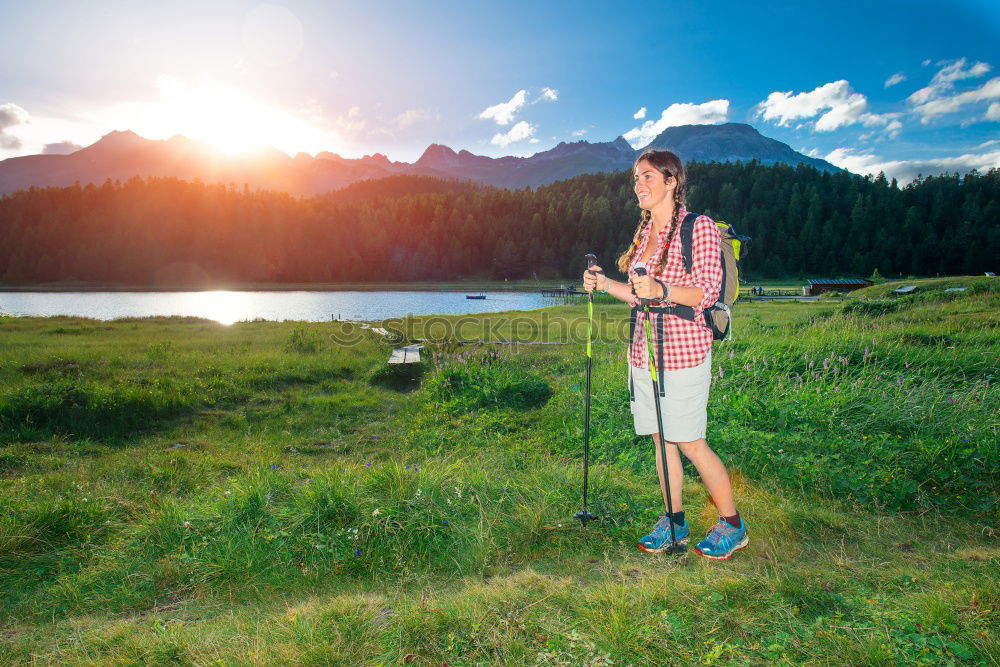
x: 650, y: 186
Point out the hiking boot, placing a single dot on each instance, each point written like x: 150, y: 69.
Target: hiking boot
x: 658, y: 540
x: 723, y: 540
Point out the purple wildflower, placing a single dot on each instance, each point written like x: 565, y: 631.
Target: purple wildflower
x: 357, y: 552
x: 368, y: 465
x: 445, y: 522
x: 811, y: 364
x: 826, y: 364
x: 273, y: 468
x: 416, y: 469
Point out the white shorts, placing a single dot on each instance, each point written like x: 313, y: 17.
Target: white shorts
x: 684, y: 405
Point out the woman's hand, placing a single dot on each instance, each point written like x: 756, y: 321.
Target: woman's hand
x: 645, y: 287
x: 594, y: 278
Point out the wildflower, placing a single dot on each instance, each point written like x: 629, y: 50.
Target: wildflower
x: 811, y: 364
x: 836, y: 389
x: 731, y: 353
x: 764, y: 359
x: 416, y: 469
x: 747, y: 367
x: 873, y: 340
x: 229, y: 493
x: 376, y: 512
x: 368, y: 465
x: 273, y: 468
x: 721, y: 373
x: 899, y: 382
x: 187, y: 524
x: 445, y: 522
x: 826, y: 364
x: 357, y: 552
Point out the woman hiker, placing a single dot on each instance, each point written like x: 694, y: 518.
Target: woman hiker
x: 683, y: 348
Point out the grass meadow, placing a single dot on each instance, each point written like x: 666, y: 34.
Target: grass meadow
x: 174, y: 491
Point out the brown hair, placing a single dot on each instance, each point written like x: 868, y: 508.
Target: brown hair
x: 669, y: 165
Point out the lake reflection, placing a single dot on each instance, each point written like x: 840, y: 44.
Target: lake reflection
x: 229, y: 307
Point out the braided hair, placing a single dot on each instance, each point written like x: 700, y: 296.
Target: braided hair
x: 668, y: 164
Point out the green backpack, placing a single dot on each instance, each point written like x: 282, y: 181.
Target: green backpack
x: 718, y: 317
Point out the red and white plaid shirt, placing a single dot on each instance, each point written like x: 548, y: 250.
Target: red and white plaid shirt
x: 686, y: 343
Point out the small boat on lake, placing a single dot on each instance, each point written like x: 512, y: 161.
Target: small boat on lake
x: 475, y: 296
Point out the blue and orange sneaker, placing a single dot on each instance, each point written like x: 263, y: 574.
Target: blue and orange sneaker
x: 658, y: 540
x: 723, y: 540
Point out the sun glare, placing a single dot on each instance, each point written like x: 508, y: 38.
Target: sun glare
x: 228, y: 119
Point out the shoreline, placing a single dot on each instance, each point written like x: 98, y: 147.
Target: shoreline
x: 447, y: 286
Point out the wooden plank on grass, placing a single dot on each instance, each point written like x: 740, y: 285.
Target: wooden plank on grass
x: 406, y: 355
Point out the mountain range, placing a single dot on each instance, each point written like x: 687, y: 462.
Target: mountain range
x: 120, y: 155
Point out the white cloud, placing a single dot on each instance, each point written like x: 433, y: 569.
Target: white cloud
x: 534, y: 140
x: 11, y: 115
x: 898, y: 77
x: 944, y: 81
x: 519, y: 132
x: 709, y: 113
x: 907, y: 170
x: 503, y: 113
x: 579, y: 133
x: 548, y: 95
x: 993, y: 113
x: 640, y: 114
x: 411, y: 116
x: 949, y: 104
x: 61, y: 148
x: 926, y: 62
x: 835, y: 103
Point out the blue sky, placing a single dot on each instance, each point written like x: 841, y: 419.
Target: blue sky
x: 904, y: 87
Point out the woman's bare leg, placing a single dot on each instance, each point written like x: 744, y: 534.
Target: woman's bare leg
x: 713, y: 473
x: 676, y: 471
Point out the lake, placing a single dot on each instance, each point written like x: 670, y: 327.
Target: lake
x: 229, y: 307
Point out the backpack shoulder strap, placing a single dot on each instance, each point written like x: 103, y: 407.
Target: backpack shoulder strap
x: 687, y: 240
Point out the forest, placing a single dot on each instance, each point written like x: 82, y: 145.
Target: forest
x: 804, y: 224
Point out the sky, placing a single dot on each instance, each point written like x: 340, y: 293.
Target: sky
x: 902, y: 87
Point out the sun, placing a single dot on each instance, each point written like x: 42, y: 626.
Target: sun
x: 229, y: 119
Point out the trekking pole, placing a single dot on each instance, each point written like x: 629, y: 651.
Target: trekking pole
x: 583, y: 515
x: 674, y: 546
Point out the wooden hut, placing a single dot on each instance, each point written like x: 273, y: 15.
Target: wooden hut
x: 836, y: 285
